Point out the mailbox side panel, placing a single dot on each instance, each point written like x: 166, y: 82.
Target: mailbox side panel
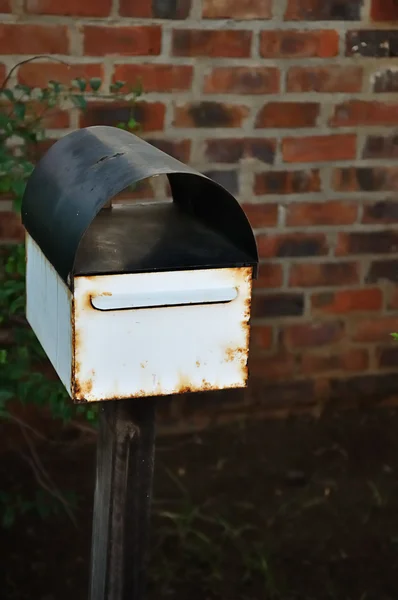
x: 49, y: 311
x: 198, y: 341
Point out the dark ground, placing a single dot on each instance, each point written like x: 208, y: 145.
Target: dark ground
x: 293, y: 510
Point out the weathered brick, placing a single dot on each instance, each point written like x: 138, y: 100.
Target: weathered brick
x: 287, y: 182
x: 279, y: 367
x: 323, y: 10
x: 323, y: 274
x: 379, y: 43
x: 157, y: 9
x: 299, y: 44
x: 202, y: 42
x: 363, y: 389
x: 325, y: 79
x: 367, y: 242
x: 362, y: 112
x: 367, y: 179
x: 383, y: 270
x: 39, y: 74
x: 33, y: 39
x: 156, y: 77
x: 74, y: 8
x: 384, y: 211
x: 3, y: 72
x: 288, y: 114
x: 381, y: 146
x: 125, y: 41
x: 5, y: 6
x: 385, y: 81
x: 388, y: 357
x: 180, y: 149
x: 265, y: 306
x: 228, y: 179
x: 315, y: 333
x: 352, y: 360
x: 331, y: 212
x: 384, y: 10
x: 261, y: 337
x: 149, y: 115
x: 209, y: 114
x: 319, y: 148
x: 261, y: 215
x: 347, y: 301
x: 11, y: 228
x: 392, y: 299
x: 291, y: 244
x: 374, y: 328
x: 242, y: 80
x: 281, y: 396
x: 231, y: 9
x: 270, y: 276
x: 232, y: 150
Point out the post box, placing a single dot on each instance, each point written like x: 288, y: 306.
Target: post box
x: 137, y: 300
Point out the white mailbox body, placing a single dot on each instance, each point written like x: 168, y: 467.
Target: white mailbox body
x: 117, y: 328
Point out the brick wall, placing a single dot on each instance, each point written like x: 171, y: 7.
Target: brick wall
x: 290, y: 104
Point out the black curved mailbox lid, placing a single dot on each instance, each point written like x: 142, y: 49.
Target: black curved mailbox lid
x: 203, y: 227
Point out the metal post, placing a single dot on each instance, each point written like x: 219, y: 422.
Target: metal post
x: 125, y: 455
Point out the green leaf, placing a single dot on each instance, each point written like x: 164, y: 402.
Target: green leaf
x: 132, y: 123
x: 116, y: 86
x: 394, y: 336
x: 20, y: 110
x: 79, y: 101
x: 8, y: 94
x: 121, y: 125
x: 80, y: 83
x: 18, y: 187
x: 55, y: 85
x: 3, y: 357
x: 24, y: 88
x: 95, y: 83
x: 5, y: 184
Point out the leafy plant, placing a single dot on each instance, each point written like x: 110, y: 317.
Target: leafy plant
x: 24, y: 371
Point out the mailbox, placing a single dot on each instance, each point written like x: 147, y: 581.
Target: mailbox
x: 135, y: 300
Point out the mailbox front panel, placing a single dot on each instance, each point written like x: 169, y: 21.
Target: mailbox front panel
x: 150, y: 334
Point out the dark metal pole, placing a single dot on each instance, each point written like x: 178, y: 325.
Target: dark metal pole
x: 125, y: 455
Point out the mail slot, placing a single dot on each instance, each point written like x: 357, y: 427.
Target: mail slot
x: 137, y: 300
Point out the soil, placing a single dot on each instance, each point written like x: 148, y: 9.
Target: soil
x: 294, y: 510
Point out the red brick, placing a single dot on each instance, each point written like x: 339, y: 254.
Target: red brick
x: 305, y: 335
x: 380, y: 146
x: 261, y: 215
x: 202, y: 42
x: 362, y: 112
x: 242, y: 80
x: 273, y: 368
x: 11, y: 228
x: 143, y: 190
x: 368, y: 179
x: 367, y: 242
x: 74, y: 8
x: 328, y: 79
x: 261, y: 337
x: 323, y: 10
x: 388, y: 357
x: 393, y: 299
x: 288, y: 114
x: 374, y: 329
x: 352, y: 360
x: 347, y: 301
x: 181, y: 150
x: 332, y: 212
x: 33, y: 39
x: 125, y: 41
x: 267, y: 306
x: 231, y: 9
x: 209, y: 114
x: 299, y: 44
x: 319, y: 148
x: 287, y: 182
x: 149, y: 115
x: 157, y: 9
x: 232, y: 150
x: 323, y: 274
x: 291, y: 244
x: 3, y: 72
x: 5, y: 6
x: 382, y: 271
x: 384, y: 10
x: 39, y: 74
x: 156, y: 78
x: 384, y: 211
x: 270, y: 276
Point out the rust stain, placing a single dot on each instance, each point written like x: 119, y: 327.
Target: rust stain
x: 143, y: 364
x: 198, y: 364
x: 106, y: 294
